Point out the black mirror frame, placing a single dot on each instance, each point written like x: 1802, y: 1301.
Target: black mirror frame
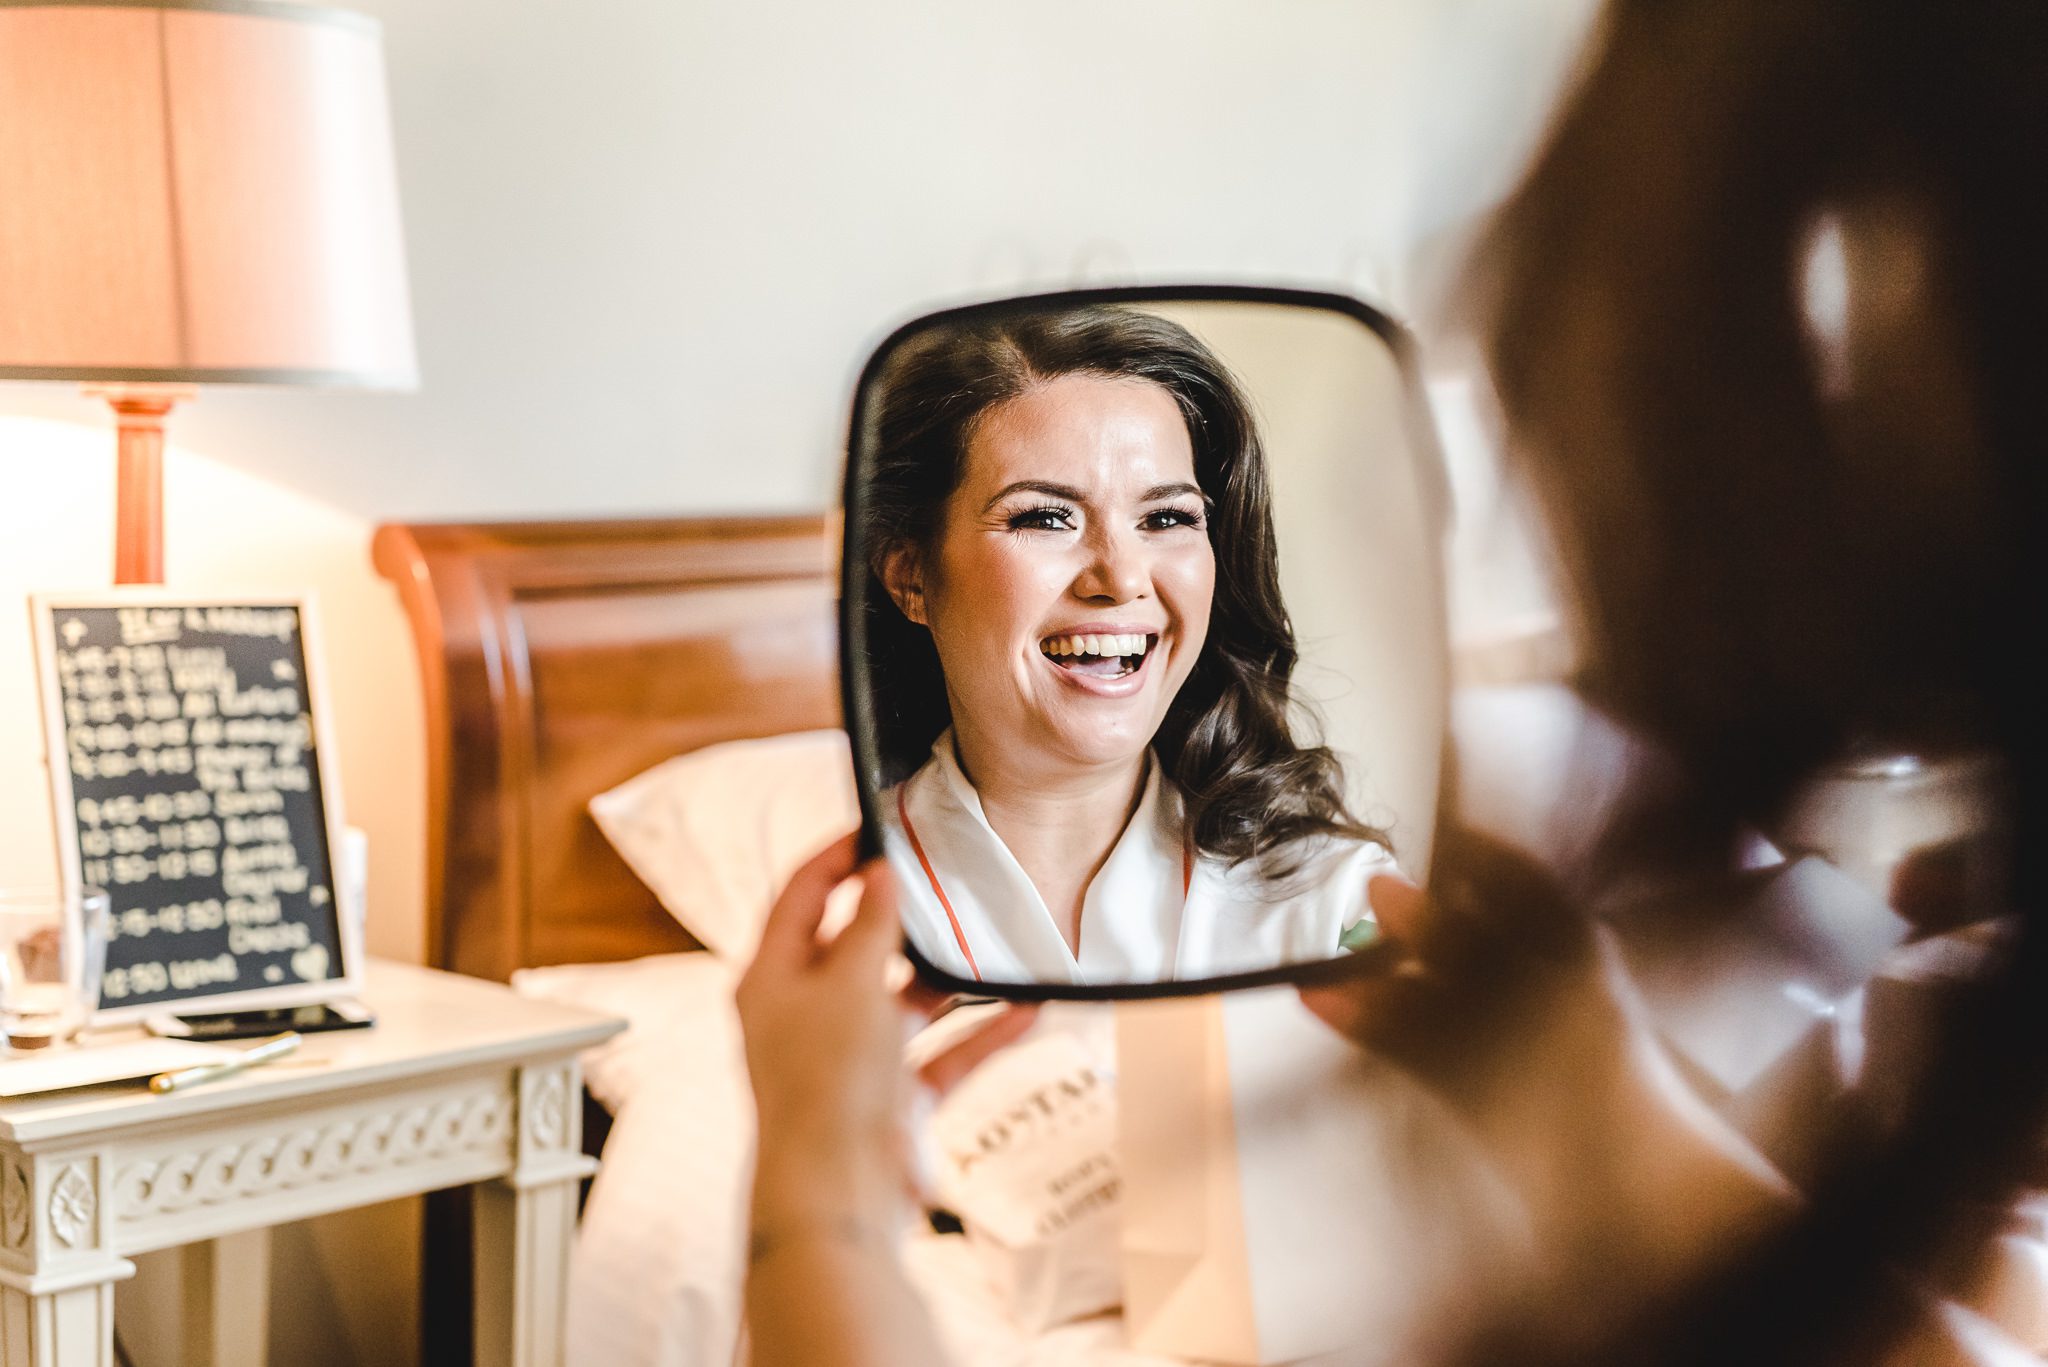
x: 859, y: 715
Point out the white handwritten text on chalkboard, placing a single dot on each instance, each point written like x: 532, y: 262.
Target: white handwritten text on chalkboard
x: 194, y: 776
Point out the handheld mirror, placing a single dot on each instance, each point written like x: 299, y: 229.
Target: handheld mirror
x: 1143, y: 634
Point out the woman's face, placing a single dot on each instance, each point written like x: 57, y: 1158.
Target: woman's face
x: 1068, y: 587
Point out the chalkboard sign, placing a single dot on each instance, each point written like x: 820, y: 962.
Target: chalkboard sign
x: 186, y: 770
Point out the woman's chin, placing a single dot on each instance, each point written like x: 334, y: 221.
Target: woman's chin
x: 1094, y: 748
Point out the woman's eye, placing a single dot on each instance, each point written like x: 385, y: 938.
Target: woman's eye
x: 1163, y: 519
x: 1042, y: 520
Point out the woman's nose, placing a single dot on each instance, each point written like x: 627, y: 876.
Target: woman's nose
x: 1116, y: 570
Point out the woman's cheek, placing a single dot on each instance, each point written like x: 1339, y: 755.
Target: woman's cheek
x: 1015, y: 590
x: 1036, y: 575
x: 1192, y: 577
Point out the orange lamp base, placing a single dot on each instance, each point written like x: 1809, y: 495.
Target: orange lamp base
x: 139, y: 479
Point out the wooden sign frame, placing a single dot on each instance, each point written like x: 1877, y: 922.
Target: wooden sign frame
x: 44, y: 609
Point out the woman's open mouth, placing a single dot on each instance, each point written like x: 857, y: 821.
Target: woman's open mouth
x: 1099, y: 656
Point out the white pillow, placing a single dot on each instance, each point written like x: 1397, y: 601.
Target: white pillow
x: 716, y: 833
x: 671, y: 1002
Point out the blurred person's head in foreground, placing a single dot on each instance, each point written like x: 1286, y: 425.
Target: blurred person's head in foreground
x: 1763, y: 324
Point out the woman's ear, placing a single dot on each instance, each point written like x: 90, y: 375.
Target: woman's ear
x: 902, y: 574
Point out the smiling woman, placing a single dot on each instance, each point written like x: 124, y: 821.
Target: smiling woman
x: 1079, y: 663
x: 1070, y: 570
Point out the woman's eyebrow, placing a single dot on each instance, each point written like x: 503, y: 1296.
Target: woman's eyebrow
x: 1037, y: 486
x: 1072, y: 495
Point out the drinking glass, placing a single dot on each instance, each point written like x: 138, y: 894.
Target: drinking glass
x: 53, y: 946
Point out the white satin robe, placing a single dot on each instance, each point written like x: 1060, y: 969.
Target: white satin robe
x: 1146, y: 917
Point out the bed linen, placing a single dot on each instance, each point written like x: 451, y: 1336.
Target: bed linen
x: 654, y: 1276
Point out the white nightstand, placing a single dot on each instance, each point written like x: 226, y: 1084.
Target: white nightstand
x: 460, y: 1081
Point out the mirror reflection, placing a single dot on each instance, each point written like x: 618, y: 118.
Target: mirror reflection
x: 1149, y: 660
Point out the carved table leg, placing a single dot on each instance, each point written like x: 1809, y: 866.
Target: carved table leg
x: 68, y: 1327
x: 525, y: 1223
x: 522, y: 1272
x: 56, y: 1273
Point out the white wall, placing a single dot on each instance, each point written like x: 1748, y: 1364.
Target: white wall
x: 652, y: 239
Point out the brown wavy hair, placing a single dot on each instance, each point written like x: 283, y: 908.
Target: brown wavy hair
x: 1252, y: 789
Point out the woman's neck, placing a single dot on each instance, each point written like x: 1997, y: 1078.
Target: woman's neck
x: 1059, y: 826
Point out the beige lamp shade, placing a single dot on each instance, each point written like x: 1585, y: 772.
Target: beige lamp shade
x: 198, y: 192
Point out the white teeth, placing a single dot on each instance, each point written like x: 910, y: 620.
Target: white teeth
x: 1120, y: 644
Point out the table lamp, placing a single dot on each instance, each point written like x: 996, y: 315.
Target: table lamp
x: 194, y: 192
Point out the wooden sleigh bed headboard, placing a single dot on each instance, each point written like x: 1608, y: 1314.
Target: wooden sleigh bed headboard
x: 561, y: 658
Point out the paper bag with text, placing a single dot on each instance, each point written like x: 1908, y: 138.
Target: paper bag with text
x: 1286, y: 1196
x: 1025, y: 1156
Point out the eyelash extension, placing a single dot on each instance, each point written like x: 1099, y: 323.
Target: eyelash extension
x: 1023, y: 520
x: 1020, y: 521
